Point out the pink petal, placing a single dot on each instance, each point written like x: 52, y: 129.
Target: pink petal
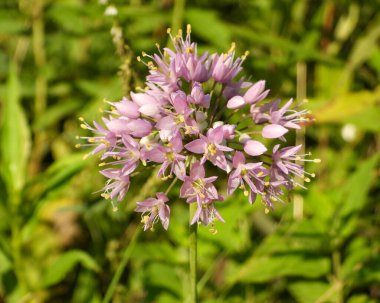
x: 166, y: 123
x: 254, y: 148
x: 235, y: 102
x: 149, y: 109
x: 238, y: 159
x: 273, y: 131
x: 142, y: 99
x: 197, y: 171
x: 139, y: 128
x: 255, y: 90
x: 128, y: 109
x: 197, y: 146
x: 118, y: 126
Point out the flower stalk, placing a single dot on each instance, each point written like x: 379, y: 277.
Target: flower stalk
x: 193, y: 294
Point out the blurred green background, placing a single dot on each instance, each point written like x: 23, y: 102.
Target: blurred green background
x: 61, y: 242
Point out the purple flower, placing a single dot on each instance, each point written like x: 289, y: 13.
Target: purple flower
x: 117, y: 184
x: 211, y: 146
x: 153, y: 210
x: 253, y: 95
x: 197, y: 188
x: 254, y: 148
x: 128, y: 155
x: 169, y: 156
x: 224, y: 68
x: 246, y: 173
x: 189, y: 112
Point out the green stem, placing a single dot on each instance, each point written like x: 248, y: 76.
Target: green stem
x: 120, y: 269
x: 193, y: 256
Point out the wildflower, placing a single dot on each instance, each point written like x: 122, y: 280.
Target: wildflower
x: 246, y: 173
x: 153, y: 210
x: 197, y: 188
x: 190, y: 116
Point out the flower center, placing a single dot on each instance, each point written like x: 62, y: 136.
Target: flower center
x: 211, y: 148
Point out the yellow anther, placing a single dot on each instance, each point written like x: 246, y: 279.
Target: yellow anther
x: 105, y: 196
x: 157, y: 45
x: 84, y: 126
x: 232, y: 48
x: 298, y: 158
x: 211, y: 148
x: 307, y: 180
x: 246, y: 193
x: 317, y: 160
x: 77, y: 137
x: 266, y: 183
x: 259, y: 174
x: 85, y: 156
x: 145, y: 219
x: 77, y: 145
x: 91, y: 140
x: 189, y: 50
x: 213, y: 230
x: 143, y: 54
x: 266, y: 210
x: 312, y: 175
x: 179, y: 33
x: 188, y: 29
x: 81, y: 119
x: 169, y: 30
x: 115, y: 209
x: 138, y: 58
x: 102, y: 164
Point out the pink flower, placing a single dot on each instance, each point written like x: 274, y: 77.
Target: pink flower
x: 253, y: 95
x: 188, y: 114
x: 249, y: 173
x: 153, y: 210
x: 170, y: 157
x: 211, y: 146
x: 197, y: 188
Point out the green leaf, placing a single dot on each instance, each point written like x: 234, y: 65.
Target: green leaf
x: 361, y: 299
x: 356, y: 190
x: 66, y: 263
x: 366, y: 119
x: 55, y: 113
x: 164, y: 276
x: 311, y: 291
x: 267, y: 268
x: 346, y: 105
x: 15, y: 135
x: 217, y: 31
x: 5, y: 263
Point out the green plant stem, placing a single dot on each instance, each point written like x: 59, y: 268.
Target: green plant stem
x: 120, y: 269
x: 193, y: 256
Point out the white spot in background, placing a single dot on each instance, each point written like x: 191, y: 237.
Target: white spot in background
x: 349, y: 132
x: 110, y: 11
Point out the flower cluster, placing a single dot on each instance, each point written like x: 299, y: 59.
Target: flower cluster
x: 197, y: 112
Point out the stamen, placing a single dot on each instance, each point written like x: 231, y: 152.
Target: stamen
x: 232, y: 48
x: 188, y: 29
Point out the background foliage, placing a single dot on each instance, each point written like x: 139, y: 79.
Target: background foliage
x: 60, y: 242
